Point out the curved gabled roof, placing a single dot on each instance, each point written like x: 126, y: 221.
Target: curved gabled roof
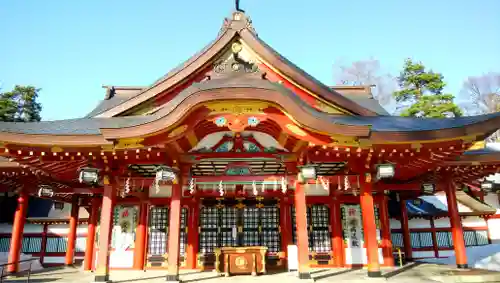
x: 378, y: 129
x: 237, y: 27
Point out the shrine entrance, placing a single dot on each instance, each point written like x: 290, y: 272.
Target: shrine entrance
x: 157, y: 251
x: 238, y: 222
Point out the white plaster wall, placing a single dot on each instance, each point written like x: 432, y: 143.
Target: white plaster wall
x: 121, y: 259
x: 315, y: 190
x: 494, y: 229
x: 28, y: 228
x: 394, y: 223
x: 5, y: 228
x: 446, y: 253
x: 54, y: 259
x: 492, y: 200
x: 422, y: 254
x: 419, y: 223
x: 82, y: 229
x: 473, y: 221
x: 58, y: 229
x: 358, y: 256
x: 442, y: 222
x: 63, y: 229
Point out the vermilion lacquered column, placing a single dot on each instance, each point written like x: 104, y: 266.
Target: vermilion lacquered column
x: 17, y: 232
x: 406, y: 229
x: 285, y: 227
x: 192, y: 233
x: 369, y: 228
x: 174, y: 233
x: 337, y: 239
x: 43, y: 245
x: 386, y: 232
x: 140, y: 238
x: 457, y: 232
x: 89, y: 249
x: 105, y: 230
x: 302, y: 236
x: 434, y: 238
x: 73, y: 225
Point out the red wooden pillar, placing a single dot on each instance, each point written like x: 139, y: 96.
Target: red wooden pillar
x: 302, y: 236
x: 89, y: 248
x: 457, y: 232
x: 105, y: 230
x: 43, y: 244
x: 17, y: 232
x: 73, y: 225
x: 369, y: 227
x: 192, y: 234
x: 174, y: 233
x: 406, y: 229
x: 336, y: 226
x: 285, y: 227
x: 386, y: 232
x: 434, y: 238
x: 140, y: 237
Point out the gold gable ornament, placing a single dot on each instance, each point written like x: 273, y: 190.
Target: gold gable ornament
x: 129, y: 143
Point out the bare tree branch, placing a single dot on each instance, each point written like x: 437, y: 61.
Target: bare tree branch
x: 367, y: 72
x: 484, y: 94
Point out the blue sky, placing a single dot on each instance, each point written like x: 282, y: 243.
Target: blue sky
x: 71, y: 48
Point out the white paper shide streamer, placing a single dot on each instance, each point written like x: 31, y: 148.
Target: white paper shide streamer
x: 221, y: 189
x: 191, y: 186
x: 283, y: 185
x: 325, y: 184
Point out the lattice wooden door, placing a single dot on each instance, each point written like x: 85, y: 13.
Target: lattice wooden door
x: 158, y: 235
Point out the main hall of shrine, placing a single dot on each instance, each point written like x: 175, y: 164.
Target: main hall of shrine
x: 239, y: 161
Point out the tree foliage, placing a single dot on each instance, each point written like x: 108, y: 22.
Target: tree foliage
x: 421, y: 93
x: 368, y: 73
x: 20, y: 105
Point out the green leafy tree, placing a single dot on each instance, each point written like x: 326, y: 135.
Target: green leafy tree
x: 421, y: 93
x: 20, y: 105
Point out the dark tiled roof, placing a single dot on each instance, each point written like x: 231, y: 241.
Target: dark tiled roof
x: 369, y: 103
x: 82, y: 126
x: 410, y: 124
x: 106, y: 104
x: 89, y: 126
x: 424, y: 208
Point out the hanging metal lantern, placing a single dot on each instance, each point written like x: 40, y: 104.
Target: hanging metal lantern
x: 428, y: 189
x: 45, y: 191
x: 164, y: 173
x: 487, y: 186
x: 385, y: 171
x: 307, y: 172
x: 89, y: 175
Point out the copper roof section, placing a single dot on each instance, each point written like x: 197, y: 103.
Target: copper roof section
x: 238, y: 26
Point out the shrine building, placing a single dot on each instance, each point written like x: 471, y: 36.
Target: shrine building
x: 239, y: 161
